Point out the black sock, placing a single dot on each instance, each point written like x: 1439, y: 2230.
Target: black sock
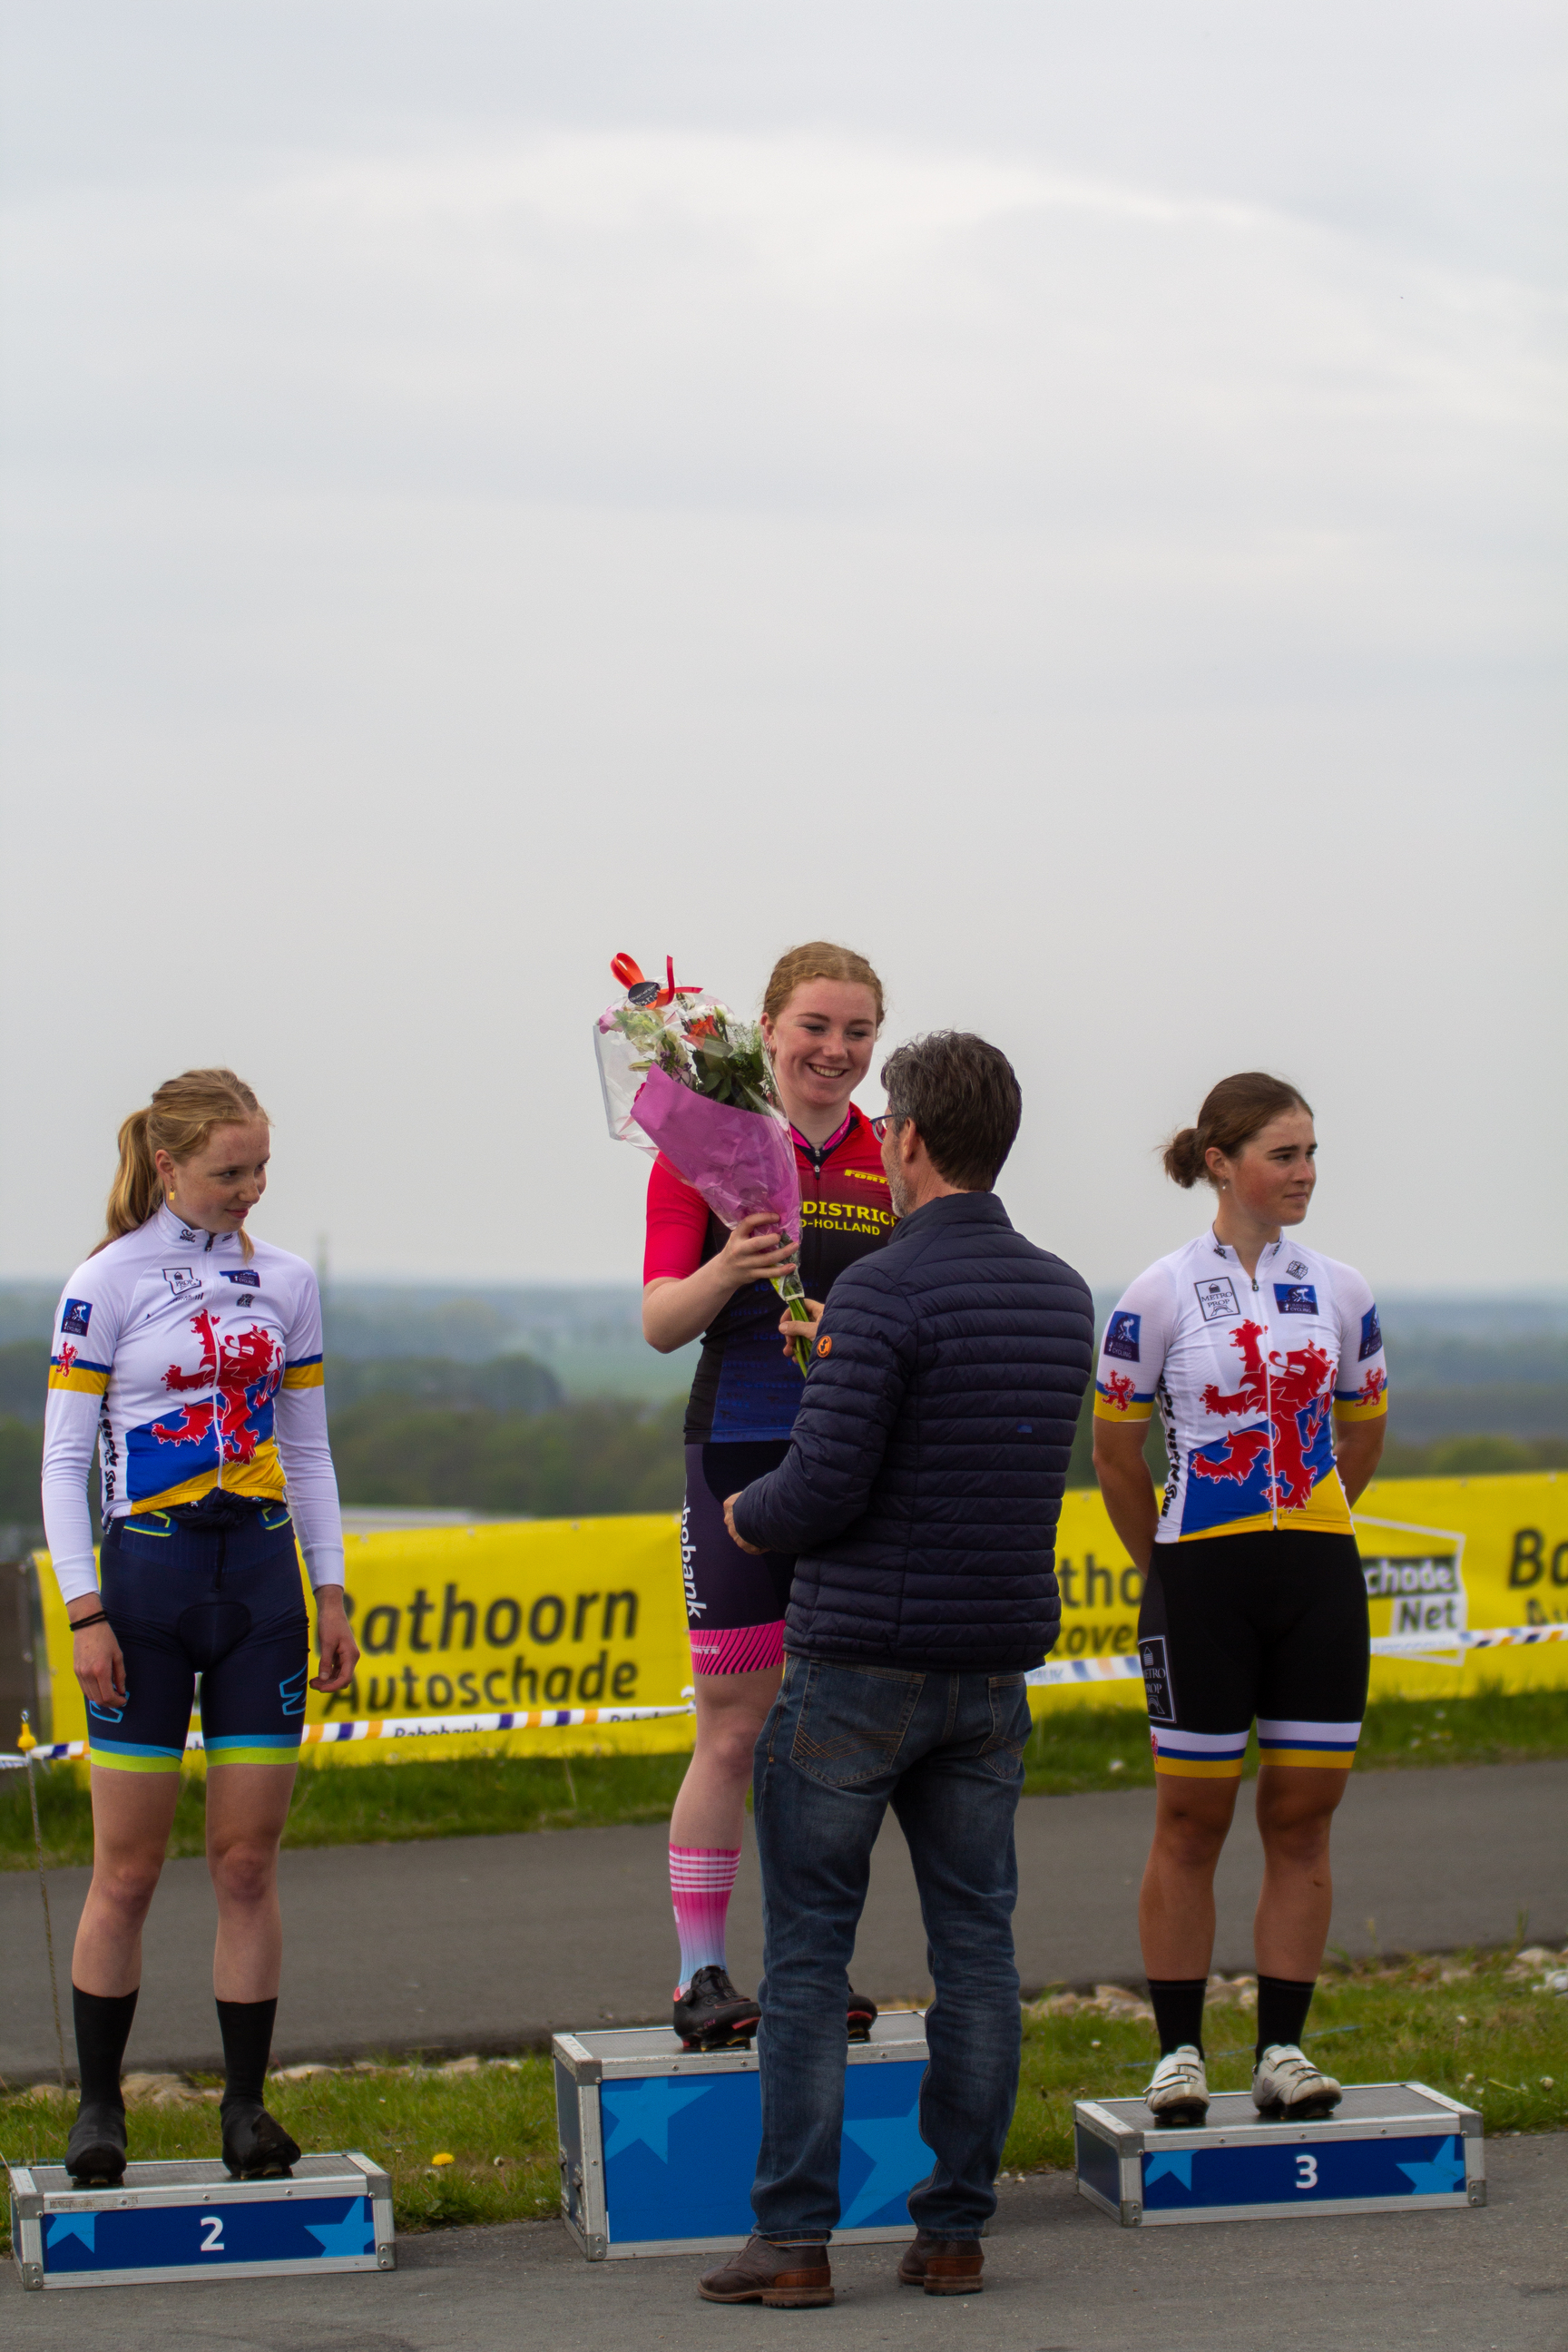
x: 247, y: 2030
x: 102, y: 2030
x: 1178, y: 2010
x: 1282, y: 2006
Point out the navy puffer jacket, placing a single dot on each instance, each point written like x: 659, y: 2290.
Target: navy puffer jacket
x: 922, y: 1483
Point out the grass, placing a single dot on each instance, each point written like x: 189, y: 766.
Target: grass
x: 1476, y: 2028
x: 373, y: 1805
x: 1073, y: 1749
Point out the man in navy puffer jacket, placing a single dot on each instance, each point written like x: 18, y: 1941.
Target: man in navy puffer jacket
x: 920, y: 1496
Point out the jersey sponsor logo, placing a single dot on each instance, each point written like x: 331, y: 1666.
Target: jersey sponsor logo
x: 1157, y: 1689
x: 1216, y: 1297
x: 180, y: 1279
x: 238, y: 1375
x: 1297, y: 1270
x: 1371, y: 1335
x: 1118, y: 1390
x: 1292, y: 1450
x: 1121, y: 1339
x: 78, y: 1315
x: 865, y: 1176
x: 1296, y: 1297
x: 243, y: 1274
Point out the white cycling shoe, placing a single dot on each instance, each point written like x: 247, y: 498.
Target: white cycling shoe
x: 1284, y: 2083
x: 1178, y: 2091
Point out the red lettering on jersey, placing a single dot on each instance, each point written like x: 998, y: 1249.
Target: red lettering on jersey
x: 234, y: 1365
x: 1118, y: 1391
x: 1294, y: 1395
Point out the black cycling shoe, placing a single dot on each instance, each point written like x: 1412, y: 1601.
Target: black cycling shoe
x: 861, y: 2018
x: 711, y: 2015
x: 255, y: 2144
x: 95, y: 2153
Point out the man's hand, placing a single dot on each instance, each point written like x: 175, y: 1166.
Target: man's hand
x: 808, y: 1331
x: 339, y: 1650
x: 739, y: 1541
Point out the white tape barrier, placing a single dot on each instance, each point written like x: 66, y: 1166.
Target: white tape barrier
x: 406, y: 1727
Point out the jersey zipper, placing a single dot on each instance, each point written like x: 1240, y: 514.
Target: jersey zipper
x: 1267, y: 1399
x: 218, y: 1418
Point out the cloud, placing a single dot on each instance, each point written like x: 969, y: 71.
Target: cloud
x: 1123, y: 607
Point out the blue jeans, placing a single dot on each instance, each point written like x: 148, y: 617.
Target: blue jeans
x: 841, y: 1743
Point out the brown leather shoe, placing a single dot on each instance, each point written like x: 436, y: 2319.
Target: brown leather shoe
x: 786, y: 2278
x: 943, y: 2265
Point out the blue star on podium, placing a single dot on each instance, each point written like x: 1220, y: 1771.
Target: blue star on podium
x: 889, y: 2142
x: 1174, y: 2162
x: 73, y: 2225
x: 642, y: 2111
x: 1441, y: 2176
x: 354, y: 2234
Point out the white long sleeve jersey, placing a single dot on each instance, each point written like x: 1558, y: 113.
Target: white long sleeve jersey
x: 192, y: 1367
x: 1249, y: 1372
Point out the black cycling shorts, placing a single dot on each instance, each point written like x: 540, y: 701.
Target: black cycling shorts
x: 1271, y: 1626
x: 223, y: 1600
x: 735, y: 1599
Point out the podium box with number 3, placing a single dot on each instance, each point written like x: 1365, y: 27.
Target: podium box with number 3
x: 190, y: 2221
x: 1388, y: 2148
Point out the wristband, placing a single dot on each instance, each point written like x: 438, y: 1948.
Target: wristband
x: 81, y: 1624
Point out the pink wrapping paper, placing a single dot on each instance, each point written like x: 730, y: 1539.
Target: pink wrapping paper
x: 740, y: 1161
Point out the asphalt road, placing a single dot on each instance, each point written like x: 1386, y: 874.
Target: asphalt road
x: 490, y: 1944
x: 1060, y: 2278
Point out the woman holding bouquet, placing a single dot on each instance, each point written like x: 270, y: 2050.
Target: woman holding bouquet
x: 821, y: 1016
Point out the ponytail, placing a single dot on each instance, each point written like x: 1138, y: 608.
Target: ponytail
x: 179, y: 1119
x: 136, y: 1191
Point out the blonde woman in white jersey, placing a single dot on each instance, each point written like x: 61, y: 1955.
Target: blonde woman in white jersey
x: 1265, y: 1361
x: 192, y: 1357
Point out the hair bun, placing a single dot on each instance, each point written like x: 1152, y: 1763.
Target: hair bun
x: 1183, y: 1164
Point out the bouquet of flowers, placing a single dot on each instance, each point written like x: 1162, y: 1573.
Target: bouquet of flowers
x: 682, y: 1075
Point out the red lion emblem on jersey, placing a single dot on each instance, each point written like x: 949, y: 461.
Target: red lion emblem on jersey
x: 1293, y: 1395
x: 1375, y: 1384
x: 234, y: 1365
x: 1118, y: 1391
x: 66, y: 1357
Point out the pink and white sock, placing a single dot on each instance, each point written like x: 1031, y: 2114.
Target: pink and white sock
x: 701, y: 1878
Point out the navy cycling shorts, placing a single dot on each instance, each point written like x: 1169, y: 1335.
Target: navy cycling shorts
x: 225, y: 1602
x: 735, y: 1599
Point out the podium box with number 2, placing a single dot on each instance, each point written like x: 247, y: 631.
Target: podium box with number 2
x: 187, y: 2220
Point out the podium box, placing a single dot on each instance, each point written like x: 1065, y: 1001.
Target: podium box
x: 190, y: 2221
x: 1388, y: 2148
x: 658, y: 2144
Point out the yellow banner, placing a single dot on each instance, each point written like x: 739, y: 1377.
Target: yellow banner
x: 591, y: 1613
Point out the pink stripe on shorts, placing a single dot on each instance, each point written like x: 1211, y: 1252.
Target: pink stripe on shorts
x: 738, y: 1649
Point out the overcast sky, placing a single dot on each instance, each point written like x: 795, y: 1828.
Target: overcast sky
x: 1067, y: 498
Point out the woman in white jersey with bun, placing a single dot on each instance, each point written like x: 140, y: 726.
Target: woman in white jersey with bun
x: 192, y: 1357
x: 1265, y: 1361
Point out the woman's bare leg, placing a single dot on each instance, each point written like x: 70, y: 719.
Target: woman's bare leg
x: 132, y: 1813
x: 247, y: 1805
x: 1175, y: 1905
x: 730, y: 1712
